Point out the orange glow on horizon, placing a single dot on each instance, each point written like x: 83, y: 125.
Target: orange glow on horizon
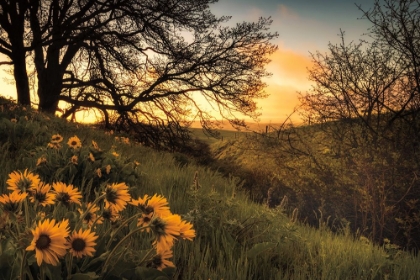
x: 289, y: 76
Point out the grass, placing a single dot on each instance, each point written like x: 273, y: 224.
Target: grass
x: 236, y: 238
x: 224, y: 135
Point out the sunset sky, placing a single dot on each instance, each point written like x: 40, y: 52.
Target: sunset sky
x: 304, y: 26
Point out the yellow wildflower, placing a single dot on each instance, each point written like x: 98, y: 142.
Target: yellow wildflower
x: 41, y: 160
x: 82, y: 243
x: 160, y: 261
x: 56, y: 138
x: 166, y: 229
x: 74, y: 159
x: 117, y: 196
x: 115, y: 154
x: 22, y: 182
x: 74, y: 142
x: 49, y: 242
x: 67, y: 194
x: 10, y: 202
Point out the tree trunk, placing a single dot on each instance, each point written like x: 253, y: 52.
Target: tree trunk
x: 18, y: 55
x: 50, y: 80
x: 49, y: 89
x: 21, y: 79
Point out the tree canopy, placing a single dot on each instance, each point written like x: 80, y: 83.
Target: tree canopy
x: 144, y: 60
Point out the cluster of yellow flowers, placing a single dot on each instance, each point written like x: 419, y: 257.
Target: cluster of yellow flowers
x: 75, y: 144
x: 55, y: 142
x: 54, y: 236
x: 51, y: 239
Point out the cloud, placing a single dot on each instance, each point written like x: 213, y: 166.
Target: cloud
x: 289, y: 68
x: 290, y: 76
x: 285, y: 12
x: 280, y: 104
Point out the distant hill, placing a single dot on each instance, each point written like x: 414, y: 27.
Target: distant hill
x: 252, y: 126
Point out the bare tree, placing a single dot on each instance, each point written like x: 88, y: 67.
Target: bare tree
x: 142, y: 59
x: 355, y: 81
x: 365, y: 99
x: 371, y: 80
x: 396, y: 25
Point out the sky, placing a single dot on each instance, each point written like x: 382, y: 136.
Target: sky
x: 304, y: 26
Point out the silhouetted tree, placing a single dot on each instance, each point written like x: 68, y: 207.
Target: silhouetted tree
x: 146, y: 60
x: 375, y: 79
x: 366, y: 99
x: 396, y: 25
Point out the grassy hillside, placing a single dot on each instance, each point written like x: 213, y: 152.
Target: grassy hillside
x: 342, y: 171
x: 235, y: 238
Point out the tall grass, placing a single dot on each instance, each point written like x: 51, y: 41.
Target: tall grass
x: 236, y: 239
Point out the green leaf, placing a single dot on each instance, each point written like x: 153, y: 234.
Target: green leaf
x: 260, y: 248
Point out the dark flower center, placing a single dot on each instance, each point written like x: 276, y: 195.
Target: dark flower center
x: 107, y: 214
x: 43, y: 242
x: 63, y: 197
x: 23, y: 184
x: 11, y: 206
x: 73, y: 143
x: 111, y: 196
x: 158, y: 227
x: 78, y: 244
x: 40, y: 196
x: 148, y: 209
x: 88, y: 216
x: 157, y: 261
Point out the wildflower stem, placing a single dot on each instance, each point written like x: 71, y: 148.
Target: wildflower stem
x: 25, y: 204
x: 36, y: 205
x: 42, y: 271
x: 146, y: 256
x: 94, y: 222
x: 121, y: 226
x: 22, y: 266
x: 55, y: 209
x: 105, y: 267
x: 82, y: 217
x: 85, y: 262
x: 69, y: 266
